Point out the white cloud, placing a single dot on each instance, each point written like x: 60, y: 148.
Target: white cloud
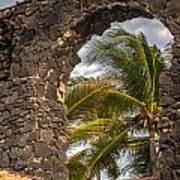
x: 82, y: 69
x: 155, y: 32
x: 153, y: 29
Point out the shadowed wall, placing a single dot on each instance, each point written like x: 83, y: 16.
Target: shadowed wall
x: 38, y: 44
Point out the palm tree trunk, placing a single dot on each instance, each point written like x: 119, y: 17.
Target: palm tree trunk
x: 98, y: 175
x: 152, y: 147
x: 152, y: 152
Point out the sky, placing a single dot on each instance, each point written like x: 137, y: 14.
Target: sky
x: 155, y: 32
x: 153, y: 29
x: 6, y: 3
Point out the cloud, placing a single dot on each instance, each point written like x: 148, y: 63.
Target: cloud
x: 153, y: 29
x: 155, y: 32
x: 82, y: 69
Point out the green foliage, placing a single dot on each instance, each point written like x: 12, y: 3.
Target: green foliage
x: 116, y: 103
x: 97, y: 127
x: 108, y: 137
x: 140, y: 163
x: 86, y: 97
x: 108, y: 146
x: 103, y: 105
x: 101, y: 156
x: 101, y: 98
x: 77, y: 167
x: 139, y: 63
x: 105, y: 151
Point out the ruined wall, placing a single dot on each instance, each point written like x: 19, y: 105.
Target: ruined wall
x: 38, y: 44
x: 169, y: 155
x: 168, y: 12
x: 32, y: 115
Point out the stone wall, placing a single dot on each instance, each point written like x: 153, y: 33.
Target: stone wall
x: 169, y: 162
x: 38, y: 44
x: 32, y: 113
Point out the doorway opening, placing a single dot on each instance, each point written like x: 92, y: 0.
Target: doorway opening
x: 157, y: 35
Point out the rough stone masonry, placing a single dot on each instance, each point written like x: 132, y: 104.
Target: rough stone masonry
x: 38, y: 44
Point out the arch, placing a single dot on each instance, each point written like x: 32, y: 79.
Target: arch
x: 38, y: 50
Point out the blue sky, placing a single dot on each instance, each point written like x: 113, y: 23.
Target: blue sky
x: 6, y: 3
x: 155, y: 32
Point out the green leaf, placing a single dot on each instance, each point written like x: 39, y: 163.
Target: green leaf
x: 117, y: 103
x: 86, y: 98
x: 76, y: 168
x: 140, y: 164
x: 103, y: 152
x: 131, y: 54
x: 89, y: 129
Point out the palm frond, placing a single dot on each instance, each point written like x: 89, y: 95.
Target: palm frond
x: 106, y: 149
x: 100, y: 156
x: 95, y: 130
x: 159, y: 65
x: 104, y: 152
x: 83, y: 97
x: 156, y: 64
x: 81, y: 92
x: 88, y: 130
x: 78, y: 165
x: 99, y: 98
x: 77, y: 168
x: 116, y: 103
x: 140, y: 164
x: 86, y: 97
x: 131, y: 54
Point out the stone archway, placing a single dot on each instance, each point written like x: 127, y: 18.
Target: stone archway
x: 38, y: 45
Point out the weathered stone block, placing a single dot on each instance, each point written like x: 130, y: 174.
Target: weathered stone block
x: 46, y: 135
x: 27, y: 152
x: 19, y: 165
x: 166, y: 101
x: 46, y: 164
x: 4, y: 162
x: 41, y: 149
x: 28, y: 35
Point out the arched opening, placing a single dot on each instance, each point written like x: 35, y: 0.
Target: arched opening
x: 42, y: 67
x: 156, y: 34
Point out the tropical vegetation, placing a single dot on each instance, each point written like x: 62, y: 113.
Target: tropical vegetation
x: 111, y: 110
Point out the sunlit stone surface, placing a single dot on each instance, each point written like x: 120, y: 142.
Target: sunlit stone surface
x: 33, y: 66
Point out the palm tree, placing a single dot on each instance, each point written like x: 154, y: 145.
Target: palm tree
x: 106, y: 132
x: 140, y: 66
